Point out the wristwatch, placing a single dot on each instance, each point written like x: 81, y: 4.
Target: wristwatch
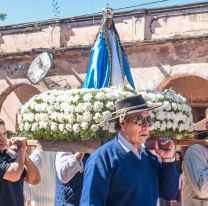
x: 168, y: 159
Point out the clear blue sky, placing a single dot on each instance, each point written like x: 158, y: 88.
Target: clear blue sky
x: 23, y: 11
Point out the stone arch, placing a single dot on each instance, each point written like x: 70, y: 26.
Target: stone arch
x: 167, y: 81
x: 11, y: 100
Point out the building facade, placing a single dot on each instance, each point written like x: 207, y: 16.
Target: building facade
x: 166, y: 48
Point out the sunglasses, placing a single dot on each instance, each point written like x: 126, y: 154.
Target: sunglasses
x: 141, y: 120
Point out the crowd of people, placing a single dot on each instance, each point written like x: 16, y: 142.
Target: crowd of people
x: 121, y: 172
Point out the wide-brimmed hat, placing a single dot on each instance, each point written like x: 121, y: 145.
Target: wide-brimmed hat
x: 202, y: 124
x: 129, y: 105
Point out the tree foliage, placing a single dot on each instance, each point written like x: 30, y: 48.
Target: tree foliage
x: 3, y: 16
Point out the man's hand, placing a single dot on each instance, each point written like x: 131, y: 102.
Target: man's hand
x: 20, y: 142
x: 164, y: 153
x: 80, y: 156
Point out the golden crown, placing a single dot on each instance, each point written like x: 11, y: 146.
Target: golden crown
x: 107, y: 12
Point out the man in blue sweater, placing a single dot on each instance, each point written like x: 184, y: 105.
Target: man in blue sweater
x: 122, y: 172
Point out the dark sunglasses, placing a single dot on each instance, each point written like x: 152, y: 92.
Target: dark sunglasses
x: 141, y: 120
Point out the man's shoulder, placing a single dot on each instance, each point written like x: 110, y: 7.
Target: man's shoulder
x: 197, y: 148
x: 109, y: 149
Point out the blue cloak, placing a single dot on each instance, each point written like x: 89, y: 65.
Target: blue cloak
x: 100, y: 67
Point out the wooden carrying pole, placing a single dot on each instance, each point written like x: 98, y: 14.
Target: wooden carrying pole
x: 91, y: 146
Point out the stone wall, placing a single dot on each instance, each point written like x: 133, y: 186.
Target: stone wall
x: 161, y: 44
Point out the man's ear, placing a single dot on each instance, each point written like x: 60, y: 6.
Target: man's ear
x: 122, y: 123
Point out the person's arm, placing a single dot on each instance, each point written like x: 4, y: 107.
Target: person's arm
x: 168, y: 175
x: 195, y: 168
x: 15, y: 170
x: 97, y: 177
x: 32, y: 173
x: 68, y: 164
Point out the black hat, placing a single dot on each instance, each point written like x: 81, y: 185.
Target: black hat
x: 129, y: 105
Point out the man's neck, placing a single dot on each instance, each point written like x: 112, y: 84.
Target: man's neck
x: 129, y: 140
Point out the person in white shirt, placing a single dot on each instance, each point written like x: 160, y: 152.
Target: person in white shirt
x: 69, y: 177
x: 44, y: 193
x: 195, y: 171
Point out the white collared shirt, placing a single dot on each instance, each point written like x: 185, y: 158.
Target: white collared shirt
x: 129, y: 147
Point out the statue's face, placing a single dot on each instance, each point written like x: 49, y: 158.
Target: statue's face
x: 108, y: 23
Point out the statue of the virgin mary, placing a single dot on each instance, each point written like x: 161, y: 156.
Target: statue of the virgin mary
x: 108, y: 64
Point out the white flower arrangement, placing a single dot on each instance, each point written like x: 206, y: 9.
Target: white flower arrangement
x: 72, y: 114
x: 173, y: 118
x: 76, y: 113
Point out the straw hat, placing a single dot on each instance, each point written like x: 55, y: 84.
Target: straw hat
x: 202, y: 124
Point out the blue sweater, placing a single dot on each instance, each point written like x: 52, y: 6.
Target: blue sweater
x: 114, y: 177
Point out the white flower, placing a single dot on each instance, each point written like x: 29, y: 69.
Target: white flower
x: 25, y: 117
x: 69, y: 99
x: 21, y: 126
x: 163, y: 126
x: 105, y: 126
x: 186, y: 125
x: 34, y: 127
x: 79, y: 108
x: 54, y: 116
x: 32, y: 105
x: 71, y: 118
x: 44, y: 117
x: 76, y: 128
x: 98, y: 117
x: 175, y: 106
x: 152, y: 115
x: 153, y: 127
x: 50, y: 109
x: 87, y: 97
x: 84, y: 125
x: 57, y: 106
x: 69, y: 127
x: 76, y: 98
x: 167, y: 106
x: 179, y: 107
x: 87, y: 116
x: 43, y: 125
x: 87, y: 106
x: 27, y: 126
x: 159, y: 96
x: 71, y: 108
x: 106, y: 113
x: 61, y: 127
x: 38, y: 107
x: 112, y: 127
x: 161, y: 115
x: 19, y: 118
x: 100, y: 96
x: 31, y: 117
x: 59, y: 99
x: 94, y: 128
x: 111, y: 96
x: 80, y: 118
x: 180, y: 116
x: 157, y: 124
x: 175, y: 125
x: 98, y: 106
x: 44, y: 107
x: 169, y: 124
x: 37, y: 117
x: 110, y: 105
x: 181, y: 127
x: 53, y: 126
x: 60, y: 117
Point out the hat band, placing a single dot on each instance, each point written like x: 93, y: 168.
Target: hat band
x: 122, y: 112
